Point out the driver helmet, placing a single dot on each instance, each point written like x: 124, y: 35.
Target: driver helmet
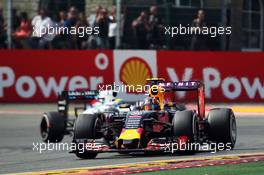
x: 151, y: 104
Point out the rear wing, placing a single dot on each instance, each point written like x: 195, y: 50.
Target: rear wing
x: 197, y: 86
x: 181, y: 85
x: 67, y: 97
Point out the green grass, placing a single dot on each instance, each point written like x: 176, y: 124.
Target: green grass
x: 256, y: 168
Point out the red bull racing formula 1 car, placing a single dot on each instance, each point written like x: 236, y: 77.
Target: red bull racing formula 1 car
x: 157, y: 124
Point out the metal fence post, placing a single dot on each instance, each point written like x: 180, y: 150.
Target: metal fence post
x: 9, y: 23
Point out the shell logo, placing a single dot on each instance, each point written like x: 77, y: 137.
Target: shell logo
x: 135, y: 71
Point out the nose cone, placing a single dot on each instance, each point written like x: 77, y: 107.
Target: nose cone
x: 129, y: 138
x: 130, y: 134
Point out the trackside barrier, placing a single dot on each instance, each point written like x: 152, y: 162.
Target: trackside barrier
x: 37, y: 76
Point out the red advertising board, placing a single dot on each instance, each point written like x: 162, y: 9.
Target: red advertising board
x: 228, y: 76
x: 37, y: 76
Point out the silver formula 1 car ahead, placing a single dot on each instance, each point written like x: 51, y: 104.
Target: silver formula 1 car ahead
x: 55, y: 125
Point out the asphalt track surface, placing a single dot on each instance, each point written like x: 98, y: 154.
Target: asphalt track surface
x: 19, y: 128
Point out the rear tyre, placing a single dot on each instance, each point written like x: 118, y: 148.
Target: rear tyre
x: 222, y: 127
x: 52, y: 127
x: 185, y: 123
x: 86, y: 127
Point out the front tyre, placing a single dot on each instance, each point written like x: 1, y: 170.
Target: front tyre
x: 185, y: 123
x: 222, y: 127
x: 87, y: 127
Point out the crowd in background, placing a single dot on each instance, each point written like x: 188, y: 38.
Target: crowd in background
x: 27, y: 33
x: 147, y: 29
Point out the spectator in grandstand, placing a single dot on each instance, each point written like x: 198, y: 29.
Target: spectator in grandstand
x: 198, y: 41
x: 24, y: 28
x: 40, y: 35
x: 156, y: 27
x: 92, y: 40
x: 82, y: 38
x: 59, y: 40
x: 70, y: 22
x: 2, y: 30
x: 72, y: 17
x: 92, y: 18
x: 141, y: 29
x: 21, y: 35
x: 103, y: 21
x: 62, y: 17
x: 112, y: 28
